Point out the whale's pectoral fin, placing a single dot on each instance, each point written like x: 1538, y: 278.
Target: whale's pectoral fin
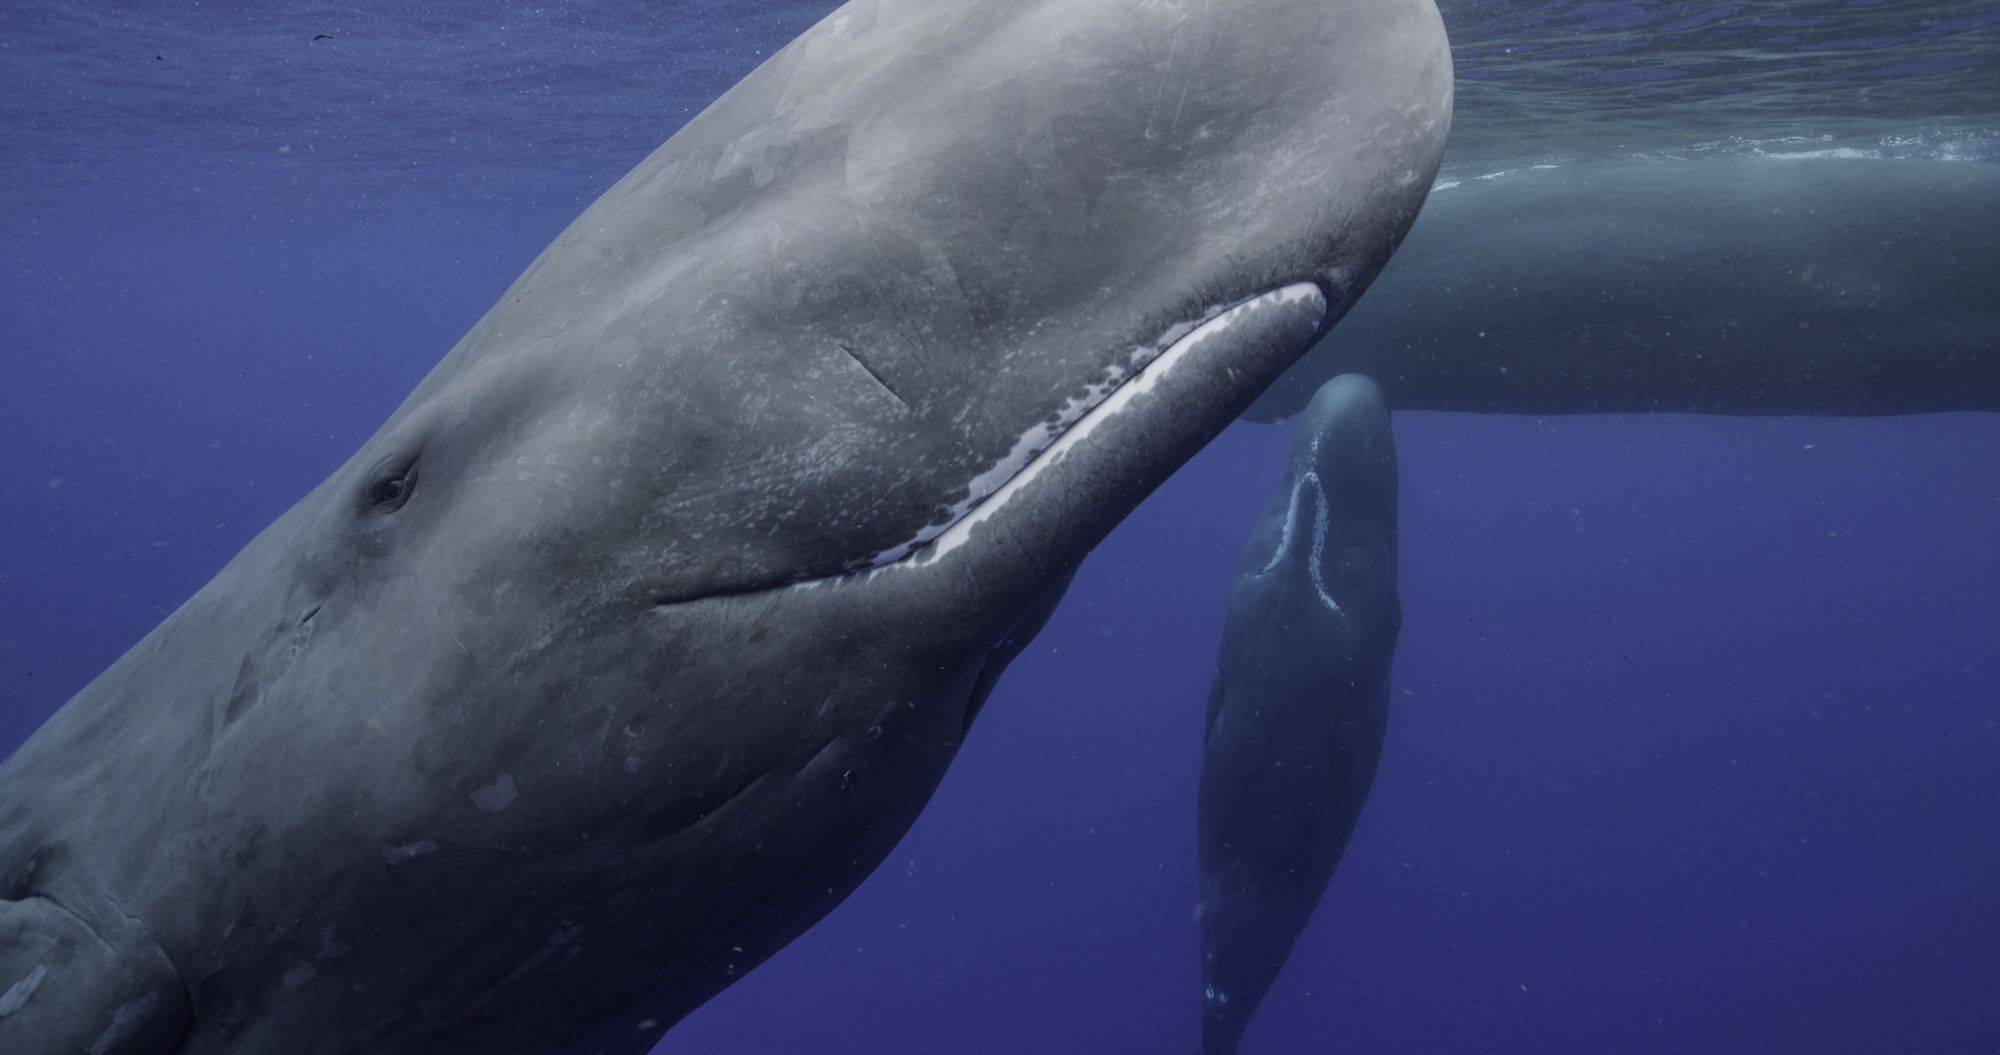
x: 66, y: 989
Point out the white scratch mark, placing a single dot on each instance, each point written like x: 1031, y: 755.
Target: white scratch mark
x: 16, y: 996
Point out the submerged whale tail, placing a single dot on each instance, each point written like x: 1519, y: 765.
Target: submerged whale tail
x: 67, y: 987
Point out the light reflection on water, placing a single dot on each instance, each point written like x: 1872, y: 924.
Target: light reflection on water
x: 1895, y: 78
x: 210, y: 102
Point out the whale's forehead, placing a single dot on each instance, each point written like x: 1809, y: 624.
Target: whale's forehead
x: 1014, y: 155
x: 925, y: 234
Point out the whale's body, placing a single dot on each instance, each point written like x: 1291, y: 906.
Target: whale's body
x: 1301, y: 699
x: 644, y: 628
x: 1725, y: 285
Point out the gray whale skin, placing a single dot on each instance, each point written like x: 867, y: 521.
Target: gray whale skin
x: 1720, y: 285
x: 1300, y: 702
x: 646, y: 625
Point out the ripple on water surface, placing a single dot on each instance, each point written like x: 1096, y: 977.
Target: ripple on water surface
x: 214, y: 102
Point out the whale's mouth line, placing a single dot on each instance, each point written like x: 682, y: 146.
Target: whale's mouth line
x: 1040, y: 447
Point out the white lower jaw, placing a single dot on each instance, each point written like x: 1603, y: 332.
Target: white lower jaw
x: 1321, y: 512
x: 1045, y: 446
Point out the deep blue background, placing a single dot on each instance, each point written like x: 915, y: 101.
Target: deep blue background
x: 1695, y: 739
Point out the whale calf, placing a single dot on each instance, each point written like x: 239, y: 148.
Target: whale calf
x: 642, y: 630
x: 1300, y: 700
x: 1753, y: 285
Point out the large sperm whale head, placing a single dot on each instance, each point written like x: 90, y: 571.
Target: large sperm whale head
x: 646, y: 624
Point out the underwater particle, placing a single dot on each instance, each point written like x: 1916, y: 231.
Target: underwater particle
x: 404, y: 851
x: 496, y: 796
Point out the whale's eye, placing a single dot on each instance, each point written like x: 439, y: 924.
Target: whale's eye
x: 390, y: 493
x: 390, y: 490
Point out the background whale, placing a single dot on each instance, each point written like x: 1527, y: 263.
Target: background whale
x: 646, y: 625
x: 1300, y: 701
x: 1739, y: 285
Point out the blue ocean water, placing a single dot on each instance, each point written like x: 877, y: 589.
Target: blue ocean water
x: 1694, y: 735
